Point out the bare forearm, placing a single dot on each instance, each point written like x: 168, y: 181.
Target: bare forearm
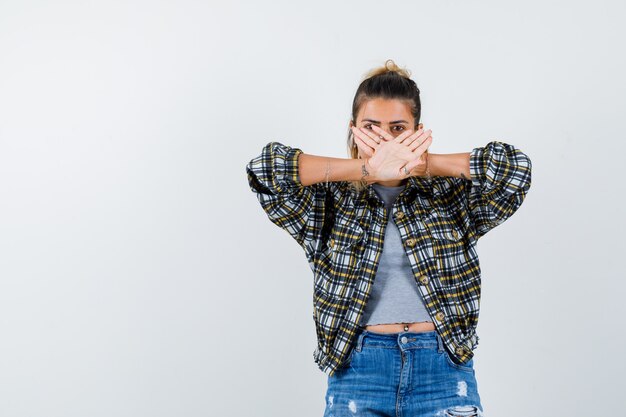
x: 450, y: 165
x: 314, y: 169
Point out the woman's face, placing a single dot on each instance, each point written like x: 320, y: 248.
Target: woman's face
x: 394, y: 116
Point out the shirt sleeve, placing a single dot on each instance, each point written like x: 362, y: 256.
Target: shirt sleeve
x: 500, y: 179
x: 274, y: 177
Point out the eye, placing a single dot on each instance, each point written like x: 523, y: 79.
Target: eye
x: 400, y: 128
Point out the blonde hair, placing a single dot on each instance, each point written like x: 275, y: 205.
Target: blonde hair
x: 389, y: 82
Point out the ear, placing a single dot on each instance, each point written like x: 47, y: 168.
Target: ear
x: 420, y: 126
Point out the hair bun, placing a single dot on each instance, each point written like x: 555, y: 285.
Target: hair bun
x: 390, y: 66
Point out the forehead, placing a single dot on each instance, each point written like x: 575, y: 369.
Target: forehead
x: 384, y: 110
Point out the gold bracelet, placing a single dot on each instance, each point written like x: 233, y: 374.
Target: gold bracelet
x: 427, y: 168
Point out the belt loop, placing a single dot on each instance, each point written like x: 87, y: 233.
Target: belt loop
x: 359, y: 341
x: 440, y: 346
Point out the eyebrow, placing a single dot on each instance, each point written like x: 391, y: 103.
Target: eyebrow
x: 391, y: 123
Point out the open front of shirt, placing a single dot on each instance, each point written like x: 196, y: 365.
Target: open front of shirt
x: 395, y: 296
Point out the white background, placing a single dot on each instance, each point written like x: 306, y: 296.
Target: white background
x: 139, y: 275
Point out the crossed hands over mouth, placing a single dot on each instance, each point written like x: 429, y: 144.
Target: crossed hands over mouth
x: 391, y: 158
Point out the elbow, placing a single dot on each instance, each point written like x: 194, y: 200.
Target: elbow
x: 275, y: 170
x: 523, y: 171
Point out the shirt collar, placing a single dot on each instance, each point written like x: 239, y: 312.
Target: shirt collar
x: 421, y: 184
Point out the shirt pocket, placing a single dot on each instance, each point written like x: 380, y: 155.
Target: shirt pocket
x: 341, y: 258
x: 444, y: 227
x: 346, y: 232
x: 346, y: 238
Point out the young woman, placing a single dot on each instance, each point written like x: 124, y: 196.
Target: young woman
x: 390, y: 234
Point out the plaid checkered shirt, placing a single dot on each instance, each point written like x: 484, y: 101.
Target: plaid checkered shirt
x: 341, y: 232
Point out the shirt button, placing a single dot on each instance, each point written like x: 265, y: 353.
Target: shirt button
x: 439, y: 316
x: 424, y: 279
x: 399, y: 215
x: 459, y: 351
x: 404, y: 339
x: 411, y: 242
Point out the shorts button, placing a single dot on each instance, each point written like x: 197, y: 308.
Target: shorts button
x: 404, y: 339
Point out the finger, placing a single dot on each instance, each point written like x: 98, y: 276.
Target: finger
x: 421, y: 146
x: 377, y: 132
x: 418, y: 137
x: 404, y: 135
x: 358, y: 132
x: 417, y: 142
x: 363, y: 147
x: 408, y: 138
x: 363, y: 151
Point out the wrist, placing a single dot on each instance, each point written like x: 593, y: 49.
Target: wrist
x: 428, y: 174
x: 368, y: 173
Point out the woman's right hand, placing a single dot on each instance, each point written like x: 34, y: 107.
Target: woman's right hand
x: 388, y: 157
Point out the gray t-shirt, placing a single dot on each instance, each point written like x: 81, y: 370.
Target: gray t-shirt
x: 395, y: 297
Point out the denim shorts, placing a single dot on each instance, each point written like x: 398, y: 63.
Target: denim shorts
x: 407, y: 374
